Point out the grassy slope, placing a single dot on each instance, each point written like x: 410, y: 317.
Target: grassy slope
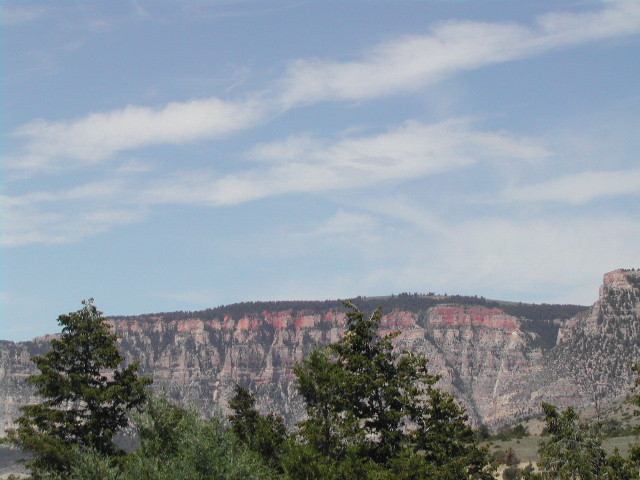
x: 526, y: 449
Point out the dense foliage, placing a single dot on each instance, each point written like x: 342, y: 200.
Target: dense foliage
x: 264, y: 435
x: 86, y: 398
x: 510, y: 432
x: 574, y: 449
x: 174, y: 444
x: 373, y: 412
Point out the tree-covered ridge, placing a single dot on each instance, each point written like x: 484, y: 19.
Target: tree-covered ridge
x: 402, y: 301
x: 542, y: 319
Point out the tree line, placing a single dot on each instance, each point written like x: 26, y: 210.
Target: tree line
x: 372, y: 412
x: 407, y: 301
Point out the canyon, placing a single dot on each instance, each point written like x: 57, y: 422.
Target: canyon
x: 499, y: 359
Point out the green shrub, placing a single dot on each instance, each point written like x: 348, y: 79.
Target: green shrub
x: 174, y: 444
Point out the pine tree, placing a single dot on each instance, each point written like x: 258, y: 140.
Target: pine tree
x: 634, y: 452
x: 574, y: 450
x: 374, y: 410
x: 263, y: 434
x: 86, y: 398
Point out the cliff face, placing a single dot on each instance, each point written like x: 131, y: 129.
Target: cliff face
x: 497, y: 364
x: 15, y: 367
x: 594, y: 350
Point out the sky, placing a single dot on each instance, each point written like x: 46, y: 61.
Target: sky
x: 180, y: 155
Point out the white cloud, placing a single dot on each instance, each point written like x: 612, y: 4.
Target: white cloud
x: 346, y: 223
x: 18, y: 14
x: 99, y: 190
x: 618, y: 18
x: 296, y: 147
x: 304, y: 165
x: 99, y: 136
x: 537, y: 255
x: 401, y: 65
x: 133, y: 166
x: 409, y: 212
x: 308, y: 165
x: 409, y: 63
x: 70, y: 215
x: 31, y: 225
x: 579, y: 188
x: 547, y: 258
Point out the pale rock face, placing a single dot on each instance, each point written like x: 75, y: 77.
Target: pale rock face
x: 489, y: 360
x: 595, y: 350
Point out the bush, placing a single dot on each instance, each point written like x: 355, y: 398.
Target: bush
x: 507, y: 457
x: 509, y: 433
x: 174, y: 444
x: 511, y: 473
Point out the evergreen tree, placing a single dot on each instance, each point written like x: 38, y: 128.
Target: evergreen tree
x: 264, y: 435
x: 86, y: 398
x: 635, y: 399
x: 376, y: 412
x: 634, y: 452
x: 175, y: 444
x: 574, y: 450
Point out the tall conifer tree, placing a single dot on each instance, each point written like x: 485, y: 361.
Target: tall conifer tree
x: 375, y: 412
x: 86, y: 397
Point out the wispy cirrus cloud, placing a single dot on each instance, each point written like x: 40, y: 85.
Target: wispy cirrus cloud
x: 401, y: 65
x: 69, y: 215
x: 409, y: 63
x: 539, y: 254
x: 579, y: 188
x: 99, y: 136
x: 296, y: 165
x: 315, y: 165
x: 28, y: 225
x: 21, y: 13
x: 98, y: 190
x: 532, y: 255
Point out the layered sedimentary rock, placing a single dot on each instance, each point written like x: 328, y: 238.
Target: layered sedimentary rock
x: 499, y: 365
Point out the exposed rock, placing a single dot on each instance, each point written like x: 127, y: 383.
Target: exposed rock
x: 492, y: 356
x: 595, y: 350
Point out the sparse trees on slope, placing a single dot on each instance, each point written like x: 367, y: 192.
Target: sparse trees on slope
x: 86, y: 397
x: 634, y: 452
x: 574, y: 450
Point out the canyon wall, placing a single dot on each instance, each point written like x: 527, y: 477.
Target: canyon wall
x: 499, y: 365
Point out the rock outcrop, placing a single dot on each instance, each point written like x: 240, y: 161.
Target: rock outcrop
x: 499, y: 359
x: 594, y: 350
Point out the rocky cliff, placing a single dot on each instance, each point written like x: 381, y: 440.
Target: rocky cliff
x: 499, y: 359
x: 595, y: 349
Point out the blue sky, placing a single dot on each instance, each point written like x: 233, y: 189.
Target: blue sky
x: 163, y: 156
